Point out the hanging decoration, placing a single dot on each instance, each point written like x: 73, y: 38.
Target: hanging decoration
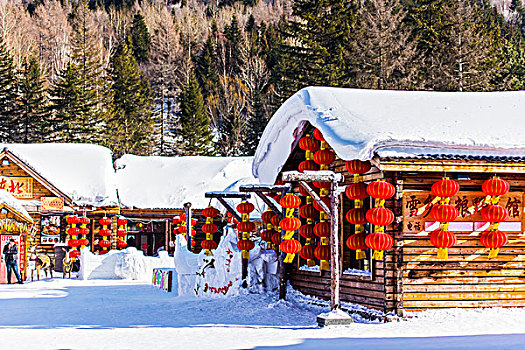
x: 122, y: 232
x: 72, y: 232
x: 176, y: 221
x: 444, y: 213
x: 379, y: 217
x: 276, y: 237
x: 266, y: 235
x: 290, y: 224
x: 245, y: 227
x: 357, y: 215
x: 84, y: 232
x: 209, y: 228
x: 309, y: 213
x: 493, y: 213
x: 104, y: 243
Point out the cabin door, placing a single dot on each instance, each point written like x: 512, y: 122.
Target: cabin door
x: 4, y: 239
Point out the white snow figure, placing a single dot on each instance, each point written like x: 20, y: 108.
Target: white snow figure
x: 187, y: 265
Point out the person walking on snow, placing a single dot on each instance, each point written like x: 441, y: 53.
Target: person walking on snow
x: 10, y: 256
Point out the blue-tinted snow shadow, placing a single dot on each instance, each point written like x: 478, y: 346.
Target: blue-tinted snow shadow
x: 132, y: 306
x: 469, y: 342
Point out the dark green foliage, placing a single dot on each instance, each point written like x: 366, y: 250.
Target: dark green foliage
x: 140, y: 38
x: 195, y: 133
x: 8, y: 95
x: 232, y: 34
x: 206, y: 67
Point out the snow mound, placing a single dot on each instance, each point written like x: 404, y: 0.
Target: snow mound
x: 357, y: 124
x: 9, y: 200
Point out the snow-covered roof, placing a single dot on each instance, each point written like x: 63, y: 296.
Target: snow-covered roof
x: 13, y: 203
x: 169, y: 182
x: 359, y: 124
x: 83, y: 172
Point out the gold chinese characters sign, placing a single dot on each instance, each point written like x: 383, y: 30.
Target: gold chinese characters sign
x: 51, y: 203
x: 464, y: 203
x: 19, y: 187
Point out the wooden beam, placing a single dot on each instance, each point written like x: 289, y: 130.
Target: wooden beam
x: 467, y: 166
x: 270, y: 203
x: 265, y: 188
x: 229, y: 208
x: 227, y: 194
x: 318, y: 176
x: 335, y: 261
x: 315, y: 197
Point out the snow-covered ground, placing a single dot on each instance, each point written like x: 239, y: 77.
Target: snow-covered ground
x: 119, y: 314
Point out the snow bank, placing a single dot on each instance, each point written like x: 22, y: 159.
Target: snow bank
x: 9, y: 200
x: 122, y: 264
x: 358, y: 123
x: 84, y: 172
x: 169, y: 182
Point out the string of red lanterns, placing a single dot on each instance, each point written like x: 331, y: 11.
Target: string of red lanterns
x: 289, y: 224
x: 493, y: 213
x: 266, y: 235
x: 122, y: 232
x: 245, y: 226
x: 380, y: 217
x: 104, y: 243
x: 209, y: 228
x: 84, y: 232
x: 72, y: 233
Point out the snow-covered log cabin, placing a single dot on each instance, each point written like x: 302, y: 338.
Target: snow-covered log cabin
x: 474, y: 142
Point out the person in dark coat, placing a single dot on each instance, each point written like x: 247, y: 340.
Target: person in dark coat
x: 10, y: 254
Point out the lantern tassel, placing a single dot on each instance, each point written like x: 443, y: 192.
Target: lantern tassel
x: 289, y: 257
x: 310, y: 262
x: 493, y: 253
x: 325, y: 265
x: 442, y: 253
x: 378, y: 255
x: 360, y: 254
x: 245, y: 254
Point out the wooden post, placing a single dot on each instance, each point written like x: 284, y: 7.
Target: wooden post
x: 335, y: 271
x: 187, y: 208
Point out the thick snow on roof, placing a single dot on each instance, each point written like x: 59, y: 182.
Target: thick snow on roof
x: 357, y: 124
x: 169, y: 182
x: 7, y: 198
x: 84, y: 172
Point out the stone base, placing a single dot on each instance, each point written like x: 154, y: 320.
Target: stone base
x: 323, y: 321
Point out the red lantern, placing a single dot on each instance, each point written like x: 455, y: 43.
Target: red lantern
x: 245, y: 226
x: 495, y: 186
x: 193, y: 222
x: 104, y: 232
x: 322, y: 229
x: 102, y: 252
x: 356, y: 241
x: 291, y: 246
x: 308, y: 211
x: 318, y: 135
x: 121, y: 221
x: 324, y: 157
x: 277, y: 198
x: 83, y: 241
x: 322, y: 252
x: 105, y: 221
x: 356, y: 191
x: 181, y: 229
x: 83, y: 231
x: 494, y: 213
x: 104, y: 243
x: 290, y: 201
x: 290, y: 224
x: 183, y: 217
x: 308, y: 144
x: 379, y: 242
x: 276, y: 220
x: 380, y: 216
x: 443, y: 240
x: 444, y: 213
x: 73, y: 243
x: 73, y: 231
x: 245, y: 244
x: 209, y: 228
x: 121, y: 244
x: 320, y: 184
x: 176, y: 220
x: 307, y: 231
x: 121, y: 233
x: 84, y: 220
x: 357, y: 166
x: 210, y: 212
x: 356, y: 216
x: 74, y: 253
x: 72, y: 220
x: 303, y: 192
x: 307, y: 252
x: 276, y: 238
x: 326, y: 200
x: 380, y: 189
x: 445, y: 188
x: 307, y: 165
x: 493, y: 240
x: 266, y: 235
x: 267, y: 217
x: 209, y: 244
x: 245, y: 208
x: 193, y: 243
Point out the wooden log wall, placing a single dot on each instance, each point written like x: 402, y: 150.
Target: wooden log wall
x: 468, y: 278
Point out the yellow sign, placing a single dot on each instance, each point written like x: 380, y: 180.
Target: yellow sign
x: 51, y: 203
x: 19, y: 187
x: 13, y: 226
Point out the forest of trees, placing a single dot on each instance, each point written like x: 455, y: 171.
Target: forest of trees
x: 189, y: 77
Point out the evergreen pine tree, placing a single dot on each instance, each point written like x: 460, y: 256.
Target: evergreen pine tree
x: 233, y: 43
x: 206, y: 68
x: 140, y: 38
x: 8, y: 95
x: 195, y: 123
x: 33, y: 116
x: 130, y: 124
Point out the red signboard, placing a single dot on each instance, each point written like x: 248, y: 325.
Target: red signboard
x: 20, y: 241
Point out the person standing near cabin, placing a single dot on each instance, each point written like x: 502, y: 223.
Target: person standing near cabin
x: 10, y: 256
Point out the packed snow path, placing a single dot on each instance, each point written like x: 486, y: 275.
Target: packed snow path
x: 112, y: 314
